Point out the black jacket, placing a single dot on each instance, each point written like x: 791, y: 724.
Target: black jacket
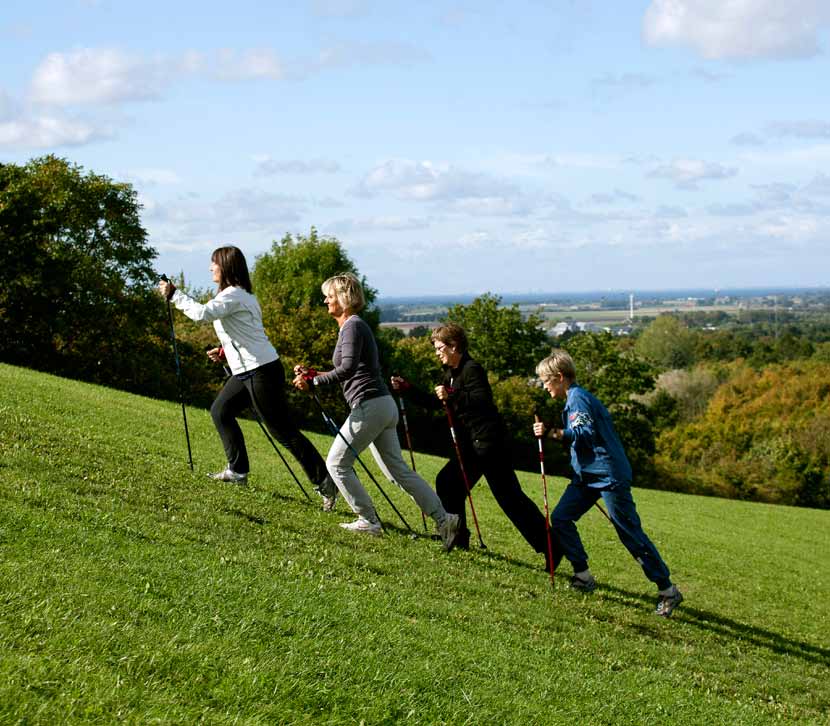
x: 477, y: 419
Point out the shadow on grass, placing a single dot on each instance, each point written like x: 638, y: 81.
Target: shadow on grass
x: 727, y: 627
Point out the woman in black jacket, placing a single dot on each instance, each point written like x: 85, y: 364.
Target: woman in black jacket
x: 482, y: 439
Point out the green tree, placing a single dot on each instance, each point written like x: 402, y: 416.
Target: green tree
x: 667, y: 343
x: 287, y: 283
x: 76, y: 276
x: 500, y: 339
x: 765, y: 435
x: 619, y: 380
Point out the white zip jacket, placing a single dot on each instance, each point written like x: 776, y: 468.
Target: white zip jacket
x: 237, y: 320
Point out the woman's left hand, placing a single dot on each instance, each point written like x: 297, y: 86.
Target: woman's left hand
x: 300, y: 382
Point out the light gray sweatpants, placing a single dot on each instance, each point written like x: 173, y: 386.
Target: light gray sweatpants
x: 374, y: 422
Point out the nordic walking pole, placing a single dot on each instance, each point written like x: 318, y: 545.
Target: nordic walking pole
x: 464, y: 473
x: 258, y: 418
x: 178, y: 374
x: 547, y: 515
x: 409, y: 446
x: 336, y: 431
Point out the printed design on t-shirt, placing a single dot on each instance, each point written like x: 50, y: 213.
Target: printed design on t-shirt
x: 579, y: 418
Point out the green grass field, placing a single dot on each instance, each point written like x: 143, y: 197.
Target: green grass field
x: 135, y: 591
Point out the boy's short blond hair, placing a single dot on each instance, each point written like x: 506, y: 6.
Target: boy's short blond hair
x: 347, y: 290
x: 557, y: 362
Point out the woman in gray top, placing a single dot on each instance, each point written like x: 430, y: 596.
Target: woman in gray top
x: 373, y: 419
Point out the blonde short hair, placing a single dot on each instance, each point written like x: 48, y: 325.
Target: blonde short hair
x: 347, y: 290
x: 557, y: 362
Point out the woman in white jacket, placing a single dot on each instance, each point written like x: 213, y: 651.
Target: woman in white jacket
x: 257, y: 376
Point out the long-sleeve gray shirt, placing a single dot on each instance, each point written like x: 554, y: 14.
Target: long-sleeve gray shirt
x: 356, y: 364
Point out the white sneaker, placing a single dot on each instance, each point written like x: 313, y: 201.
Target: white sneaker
x: 228, y: 474
x: 449, y: 531
x: 361, y: 524
x: 328, y: 492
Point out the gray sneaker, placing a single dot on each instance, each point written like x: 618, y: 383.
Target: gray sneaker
x: 589, y: 585
x: 328, y: 491
x: 228, y: 474
x: 449, y: 531
x: 667, y: 603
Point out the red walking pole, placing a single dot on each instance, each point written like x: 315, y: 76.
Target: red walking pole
x: 547, y: 515
x: 463, y: 473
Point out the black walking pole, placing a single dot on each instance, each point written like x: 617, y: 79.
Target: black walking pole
x: 336, y: 431
x: 463, y: 473
x: 409, y: 446
x: 258, y: 418
x: 178, y: 374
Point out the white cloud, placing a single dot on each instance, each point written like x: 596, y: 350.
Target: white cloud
x: 110, y: 75
x: 245, y: 65
x: 686, y: 173
x: 271, y: 167
x: 609, y: 198
x: 8, y: 108
x: 96, y: 75
x: 339, y: 8
x: 819, y: 185
x: 747, y: 139
x: 377, y: 224
x: 738, y: 28
x: 623, y: 81
x: 799, y: 129
x: 366, y: 54
x: 151, y: 177
x: 49, y: 132
x: 425, y: 181
x: 241, y: 213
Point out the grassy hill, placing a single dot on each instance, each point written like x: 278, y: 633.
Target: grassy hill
x: 136, y: 591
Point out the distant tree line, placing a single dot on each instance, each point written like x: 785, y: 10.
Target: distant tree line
x: 739, y: 410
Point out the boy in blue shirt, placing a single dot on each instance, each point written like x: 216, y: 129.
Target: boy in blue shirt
x: 600, y: 469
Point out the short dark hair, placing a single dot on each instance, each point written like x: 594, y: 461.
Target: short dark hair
x: 450, y: 334
x: 233, y: 270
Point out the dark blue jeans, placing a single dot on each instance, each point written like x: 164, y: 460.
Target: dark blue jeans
x: 578, y: 499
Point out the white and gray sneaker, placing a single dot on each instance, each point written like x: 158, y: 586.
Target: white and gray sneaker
x: 328, y: 492
x: 448, y: 529
x: 361, y: 524
x: 228, y: 474
x: 669, y: 600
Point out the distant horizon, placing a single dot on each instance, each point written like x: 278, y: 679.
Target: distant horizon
x: 601, y: 293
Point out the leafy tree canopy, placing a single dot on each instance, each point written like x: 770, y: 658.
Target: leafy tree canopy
x: 667, y: 343
x: 500, y: 339
x: 287, y: 281
x: 75, y: 271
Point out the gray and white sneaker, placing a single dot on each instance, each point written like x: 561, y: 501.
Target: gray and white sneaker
x: 361, y: 524
x: 668, y: 602
x: 228, y: 474
x: 328, y: 491
x: 582, y: 584
x: 448, y: 529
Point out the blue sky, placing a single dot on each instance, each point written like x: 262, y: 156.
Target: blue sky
x: 452, y: 147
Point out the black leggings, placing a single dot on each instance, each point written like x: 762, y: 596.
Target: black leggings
x: 497, y: 468
x: 267, y: 386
